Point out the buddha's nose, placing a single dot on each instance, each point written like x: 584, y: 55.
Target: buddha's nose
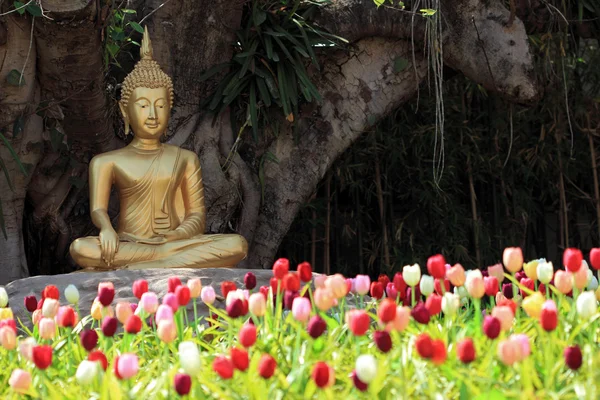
x: 152, y: 112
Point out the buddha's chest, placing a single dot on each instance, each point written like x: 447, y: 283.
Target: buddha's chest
x: 157, y: 172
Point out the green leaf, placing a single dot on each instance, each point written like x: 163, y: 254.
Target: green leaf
x: 56, y: 139
x: 427, y: 12
x: 253, y: 112
x: 259, y: 16
x: 282, y: 89
x: 493, y: 394
x: 113, y: 49
x: 378, y: 3
x: 13, y: 153
x: 128, y: 11
x: 269, y: 48
x: 400, y: 64
x: 18, y: 126
x: 15, y: 78
x: 19, y: 7
x: 249, y: 58
x: 136, y: 26
x: 34, y: 10
x: 264, y: 92
x: 6, y: 175
x: 213, y: 71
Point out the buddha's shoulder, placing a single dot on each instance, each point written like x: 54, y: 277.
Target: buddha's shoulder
x: 108, y: 157
x: 185, y: 155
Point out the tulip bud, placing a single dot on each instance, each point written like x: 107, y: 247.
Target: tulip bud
x: 195, y: 286
x: 595, y: 258
x: 182, y: 384
x: 456, y: 275
x: 505, y: 315
x: 573, y: 357
x: 497, y: 271
x: 436, y: 266
x: 50, y: 308
x: 399, y: 283
x: 66, y: 317
x: 266, y: 366
x: 87, y: 372
x: 26, y: 348
x: 358, y: 322
x: 465, y: 350
x: 587, y: 305
x: 420, y: 313
x: 163, y: 313
x: 47, y: 328
x: 127, y: 366
x: 572, y: 259
x: 426, y: 285
x: 401, y: 319
x: 257, y: 304
x: 530, y: 269
x: 509, y: 352
x: 247, y: 335
x: 563, y: 281
x: 434, y: 304
x: 549, y: 316
x: 183, y: 295
x: 323, y: 299
x: 513, y: 259
x: 362, y: 284
x: 189, y: 358
x: 305, y: 272
x: 208, y: 295
x: 20, y: 381
x: 8, y: 338
x: 383, y: 341
x: 377, y: 290
x: 166, y: 331
x: 490, y: 284
x: 439, y: 352
x: 89, y: 339
x: 474, y: 284
x: 323, y: 375
x: 149, y: 302
x: 366, y: 368
x: 316, y: 326
x: 360, y: 385
x: 139, y: 287
x: 533, y: 304
x: 450, y: 303
x: 123, y: 311
x: 411, y: 274
x: 544, y: 272
x: 424, y: 345
x: 30, y: 303
x: 581, y: 276
x: 387, y: 310
x: 391, y: 292
x: 281, y: 267
x: 491, y: 327
x: 72, y: 294
x: 301, y: 309
x: 593, y: 284
x: 250, y: 280
x: 3, y: 297
x: 223, y: 366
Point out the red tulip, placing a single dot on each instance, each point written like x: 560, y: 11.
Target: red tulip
x: 275, y: 283
x: 305, y: 272
x: 291, y: 282
x: 490, y: 284
x: 509, y: 303
x: 172, y: 284
x: 51, y: 292
x: 281, y: 267
x: 316, y: 326
x: 109, y: 326
x: 288, y: 299
x: 420, y: 313
x: 223, y: 366
x: 438, y: 286
x: 226, y: 287
x: 134, y: 324
x: 266, y: 366
x: 40, y: 303
x: 240, y: 359
x: 359, y: 322
x: 89, y: 339
x: 424, y: 345
x: 383, y: 340
x: 139, y: 288
x: 377, y: 290
x: 98, y: 356
x: 439, y: 352
x: 360, y: 385
x: 573, y: 357
x: 182, y: 292
x: 106, y: 295
x: 250, y: 280
x: 387, y: 310
x: 247, y: 335
x: 595, y: 258
x: 491, y: 327
x: 549, y: 316
x: 399, y: 283
x: 235, y: 308
x: 384, y: 279
x: 572, y: 259
x: 465, y: 349
x: 434, y: 304
x: 436, y: 266
x: 66, y: 317
x: 529, y: 284
x: 264, y: 290
x: 30, y: 303
x: 320, y: 374
x: 42, y: 356
x: 182, y: 383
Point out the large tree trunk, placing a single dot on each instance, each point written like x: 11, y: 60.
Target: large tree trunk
x: 359, y: 86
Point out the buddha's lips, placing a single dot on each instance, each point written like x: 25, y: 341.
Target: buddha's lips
x: 152, y: 126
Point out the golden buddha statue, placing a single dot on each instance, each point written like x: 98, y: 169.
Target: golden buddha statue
x: 162, y: 215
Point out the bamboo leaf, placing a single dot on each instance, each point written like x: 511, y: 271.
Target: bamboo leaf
x: 309, y: 48
x: 15, y: 78
x: 34, y: 10
x: 19, y: 6
x: 253, y: 112
x: 282, y: 89
x: 248, y: 59
x: 13, y: 153
x: 6, y: 175
x: 264, y: 92
x: 136, y: 26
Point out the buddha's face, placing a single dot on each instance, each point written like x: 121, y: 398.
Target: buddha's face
x: 147, y: 112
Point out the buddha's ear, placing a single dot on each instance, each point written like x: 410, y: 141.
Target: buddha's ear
x: 123, y: 109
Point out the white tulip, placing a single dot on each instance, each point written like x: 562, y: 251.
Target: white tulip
x: 72, y: 294
x: 587, y: 305
x: 593, y: 285
x: 87, y: 372
x: 189, y: 358
x: 50, y: 308
x: 590, y: 275
x: 462, y: 294
x: 450, y: 303
x: 3, y: 297
x: 411, y: 275
x: 366, y: 368
x: 545, y: 272
x: 426, y: 285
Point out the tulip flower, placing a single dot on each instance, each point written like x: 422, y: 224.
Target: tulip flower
x: 42, y: 356
x: 322, y: 374
x: 401, y: 319
x: 109, y: 326
x: 491, y: 327
x: 490, y: 284
x: 99, y: 357
x: 572, y: 259
x: 399, y: 283
x: 301, y: 309
x: 189, y: 358
x: 106, y: 295
x: 593, y: 284
x: 580, y: 278
x: 391, y: 292
x: 377, y: 290
x: 474, y: 284
x: 563, y: 281
x: 247, y: 335
x: 523, y: 341
x: 240, y: 359
x: 316, y: 326
x: 66, y: 317
x: 530, y: 269
x: 87, y: 371
x: 587, y: 305
x: 465, y: 350
x: 30, y: 303
x: 20, y: 381
x: 47, y: 328
x: 249, y: 280
x: 183, y: 295
x: 223, y: 366
x: 533, y: 304
x: 438, y: 286
x: 387, y: 310
x: 49, y: 292
x: 166, y: 330
x: 358, y: 322
x: 8, y: 338
x: 436, y: 266
x: 195, y: 286
x: 497, y: 271
x: 573, y: 357
x: 450, y: 303
x: 149, y: 302
x: 366, y: 368
x: 291, y: 282
x: 304, y: 272
x: 383, y: 341
x: 513, y: 259
x: 182, y: 384
x: 411, y: 274
x: 133, y: 324
x: 319, y: 282
x: 266, y: 366
x: 164, y: 313
x: 549, y: 316
x: 545, y: 272
x: 456, y: 275
x: 281, y: 267
x: 595, y: 258
x: 421, y: 314
x: 127, y: 366
x: 26, y: 348
x: 424, y: 345
x: 89, y: 339
x: 360, y: 385
x: 123, y: 311
x: 323, y: 299
x: 208, y: 295
x: 257, y: 304
x: 509, y: 352
x: 50, y: 308
x: 426, y: 285
x: 505, y: 315
x: 434, y: 304
x: 140, y: 287
x: 72, y: 294
x: 440, y: 352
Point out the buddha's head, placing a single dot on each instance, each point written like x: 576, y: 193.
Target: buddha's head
x: 146, y: 96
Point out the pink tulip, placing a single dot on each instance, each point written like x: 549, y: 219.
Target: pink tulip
x: 164, y: 313
x: 509, y: 351
x: 26, y: 348
x: 20, y: 381
x: 149, y: 302
x: 208, y: 295
x: 456, y: 275
x: 497, y: 271
x: 123, y: 311
x: 563, y: 281
x: 362, y: 284
x: 127, y: 365
x: 581, y: 276
x: 400, y: 322
x: 166, y: 331
x: 523, y: 341
x: 50, y: 308
x: 337, y: 286
x: 8, y: 338
x: 319, y: 281
x: 513, y: 259
x: 301, y: 309
x: 257, y: 304
x: 47, y: 328
x: 505, y: 315
x: 170, y: 300
x: 323, y: 299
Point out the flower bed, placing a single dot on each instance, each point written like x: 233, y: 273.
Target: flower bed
x: 515, y: 331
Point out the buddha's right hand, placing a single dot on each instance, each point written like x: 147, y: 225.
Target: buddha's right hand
x: 109, y: 245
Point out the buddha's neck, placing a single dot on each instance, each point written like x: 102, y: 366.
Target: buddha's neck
x: 145, y: 144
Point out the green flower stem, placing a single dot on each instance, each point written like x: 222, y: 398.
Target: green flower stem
x: 477, y: 305
x: 196, y: 317
x: 412, y: 296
